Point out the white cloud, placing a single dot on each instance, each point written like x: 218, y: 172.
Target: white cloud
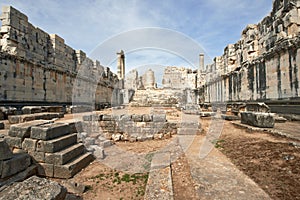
x: 85, y: 24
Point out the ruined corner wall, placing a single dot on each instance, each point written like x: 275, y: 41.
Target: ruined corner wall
x: 179, y: 78
x: 39, y: 67
x: 263, y: 64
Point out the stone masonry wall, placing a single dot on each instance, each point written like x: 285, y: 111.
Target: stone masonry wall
x: 38, y: 67
x: 263, y: 64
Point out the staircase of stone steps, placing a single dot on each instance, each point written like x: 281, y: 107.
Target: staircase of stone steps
x: 53, y: 147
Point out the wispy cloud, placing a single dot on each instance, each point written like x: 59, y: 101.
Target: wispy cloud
x: 86, y: 24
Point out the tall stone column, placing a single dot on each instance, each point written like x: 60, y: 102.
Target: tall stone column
x: 121, y: 65
x: 201, y: 63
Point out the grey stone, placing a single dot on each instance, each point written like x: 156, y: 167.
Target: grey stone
x: 257, y: 107
x: 5, y: 152
x: 116, y: 137
x: 17, y: 163
x: 64, y: 156
x: 262, y: 120
x: 74, y: 187
x: 2, y: 125
x: 14, y: 119
x: 13, y: 142
x: 70, y: 169
x: 147, y: 118
x: 29, y: 144
x: 105, y: 143
x: 20, y: 176
x: 51, y: 146
x: 49, y: 131
x: 137, y: 118
x: 23, y: 130
x: 98, y: 151
x: 37, y: 156
x: 89, y: 141
x: 1, y: 115
x: 159, y: 117
x: 31, y: 109
x: 45, y: 169
x: 107, y: 117
x: 34, y: 188
x: 280, y: 119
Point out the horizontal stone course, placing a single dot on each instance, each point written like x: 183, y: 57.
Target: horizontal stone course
x: 70, y: 169
x: 51, y: 146
x: 64, y: 156
x: 49, y: 131
x: 22, y: 130
x: 14, y: 119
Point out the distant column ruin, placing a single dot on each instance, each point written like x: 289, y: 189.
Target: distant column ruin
x: 201, y: 63
x: 121, y: 65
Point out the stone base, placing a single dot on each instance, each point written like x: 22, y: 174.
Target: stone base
x: 262, y: 120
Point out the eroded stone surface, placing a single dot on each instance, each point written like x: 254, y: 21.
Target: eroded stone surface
x: 34, y: 188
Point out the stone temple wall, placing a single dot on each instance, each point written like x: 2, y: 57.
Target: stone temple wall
x: 179, y: 78
x: 39, y: 67
x: 264, y: 64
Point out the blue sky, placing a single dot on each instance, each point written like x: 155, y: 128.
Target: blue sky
x: 213, y: 24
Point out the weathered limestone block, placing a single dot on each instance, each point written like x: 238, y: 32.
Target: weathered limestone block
x: 17, y: 163
x: 107, y: 118
x: 31, y: 109
x: 49, y: 131
x: 29, y: 144
x: 147, y: 118
x: 5, y: 152
x: 262, y: 120
x: 22, y: 130
x: 37, y: 156
x: 159, y: 117
x: 137, y: 118
x: 45, y: 169
x: 70, y: 169
x: 14, y: 119
x: 62, y: 157
x: 34, y: 188
x: 13, y: 142
x: 257, y: 107
x: 51, y: 146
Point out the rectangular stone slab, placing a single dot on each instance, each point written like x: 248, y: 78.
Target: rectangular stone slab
x: 262, y: 120
x: 49, y: 131
x: 22, y: 130
x: 70, y: 169
x: 64, y: 156
x: 52, y: 146
x: 16, y: 164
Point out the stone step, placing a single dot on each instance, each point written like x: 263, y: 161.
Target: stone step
x: 49, y: 131
x: 22, y: 130
x: 64, y: 156
x: 70, y: 169
x: 57, y: 144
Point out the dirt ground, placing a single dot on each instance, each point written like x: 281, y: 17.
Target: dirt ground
x: 271, y: 161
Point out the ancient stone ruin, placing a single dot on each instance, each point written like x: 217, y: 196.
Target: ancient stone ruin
x: 255, y: 81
